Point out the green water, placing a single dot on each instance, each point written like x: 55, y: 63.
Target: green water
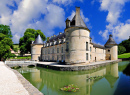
x: 115, y: 80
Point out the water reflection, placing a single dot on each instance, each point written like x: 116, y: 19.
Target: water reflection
x: 49, y: 81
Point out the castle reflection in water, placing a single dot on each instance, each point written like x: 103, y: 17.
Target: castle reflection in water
x: 49, y: 81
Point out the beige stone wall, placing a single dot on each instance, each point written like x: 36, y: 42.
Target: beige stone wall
x: 114, y: 53
x: 48, y: 54
x: 77, y: 39
x: 35, y: 51
x: 98, y: 54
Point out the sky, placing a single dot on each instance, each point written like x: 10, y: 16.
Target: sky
x: 102, y: 17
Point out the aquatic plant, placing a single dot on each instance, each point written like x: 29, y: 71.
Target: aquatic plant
x: 70, y: 88
x: 94, y: 78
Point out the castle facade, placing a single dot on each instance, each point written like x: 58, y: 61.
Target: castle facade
x: 74, y: 45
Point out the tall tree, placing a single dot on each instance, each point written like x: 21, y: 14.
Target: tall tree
x: 126, y: 44
x: 6, y: 44
x: 26, y: 41
x: 5, y: 29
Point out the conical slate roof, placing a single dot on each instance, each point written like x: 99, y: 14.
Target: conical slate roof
x: 38, y: 40
x: 77, y: 20
x: 110, y: 41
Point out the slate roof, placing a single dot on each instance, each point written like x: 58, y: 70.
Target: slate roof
x: 98, y: 46
x: 38, y: 40
x: 110, y: 41
x: 60, y: 36
x: 80, y: 20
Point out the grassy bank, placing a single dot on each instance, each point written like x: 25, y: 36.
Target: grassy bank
x: 125, y: 55
x: 19, y: 57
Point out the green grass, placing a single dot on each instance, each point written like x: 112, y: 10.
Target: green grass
x: 19, y: 57
x: 125, y: 55
x: 16, y: 46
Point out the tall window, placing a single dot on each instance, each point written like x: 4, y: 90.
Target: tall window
x: 95, y: 49
x: 90, y: 48
x: 48, y: 51
x: 86, y: 45
x: 52, y: 50
x: 90, y: 56
x: 52, y: 57
x: 86, y: 56
x: 62, y: 57
x: 57, y: 50
x: 62, y: 50
x: 57, y: 57
x: 67, y: 46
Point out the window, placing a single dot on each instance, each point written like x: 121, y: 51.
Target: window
x: 86, y: 45
x: 90, y: 56
x: 62, y: 50
x: 95, y: 49
x: 48, y: 57
x: 67, y: 46
x: 48, y: 51
x: 86, y: 56
x: 62, y: 57
x: 57, y: 50
x: 108, y: 50
x: 52, y: 50
x: 52, y: 57
x: 90, y: 48
x: 57, y: 57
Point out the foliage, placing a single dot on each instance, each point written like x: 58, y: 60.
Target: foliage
x: 5, y: 29
x: 5, y: 45
x: 70, y: 88
x: 126, y: 44
x: 94, y: 78
x: 26, y: 41
x: 16, y: 67
x: 47, y: 38
x: 125, y: 55
x: 121, y: 49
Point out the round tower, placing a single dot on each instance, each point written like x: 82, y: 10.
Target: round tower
x: 77, y: 40
x: 111, y: 49
x: 36, y: 48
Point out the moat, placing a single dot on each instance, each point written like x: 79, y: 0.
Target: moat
x: 113, y: 79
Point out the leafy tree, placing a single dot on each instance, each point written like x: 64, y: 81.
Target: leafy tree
x: 47, y: 38
x: 5, y: 29
x: 26, y: 41
x: 126, y: 44
x: 5, y: 45
x: 121, y: 49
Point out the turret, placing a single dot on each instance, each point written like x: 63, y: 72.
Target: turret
x: 67, y: 23
x: 36, y: 48
x: 111, y: 49
x: 77, y: 40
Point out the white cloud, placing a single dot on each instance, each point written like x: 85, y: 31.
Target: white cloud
x: 28, y: 15
x: 119, y: 30
x: 65, y: 2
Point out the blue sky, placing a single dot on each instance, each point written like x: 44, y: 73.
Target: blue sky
x: 102, y: 17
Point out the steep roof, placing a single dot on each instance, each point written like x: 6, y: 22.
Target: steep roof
x: 98, y: 46
x: 38, y: 40
x: 110, y: 41
x: 60, y: 36
x: 77, y: 19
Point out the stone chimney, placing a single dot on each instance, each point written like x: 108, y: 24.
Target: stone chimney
x: 67, y: 23
x: 77, y: 23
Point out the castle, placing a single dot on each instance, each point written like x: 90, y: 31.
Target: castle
x: 74, y: 45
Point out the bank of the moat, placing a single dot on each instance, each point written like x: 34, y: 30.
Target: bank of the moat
x: 114, y: 80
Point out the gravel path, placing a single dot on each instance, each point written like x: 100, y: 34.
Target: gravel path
x: 9, y: 83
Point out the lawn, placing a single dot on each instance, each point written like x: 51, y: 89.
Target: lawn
x: 125, y: 55
x: 19, y: 57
